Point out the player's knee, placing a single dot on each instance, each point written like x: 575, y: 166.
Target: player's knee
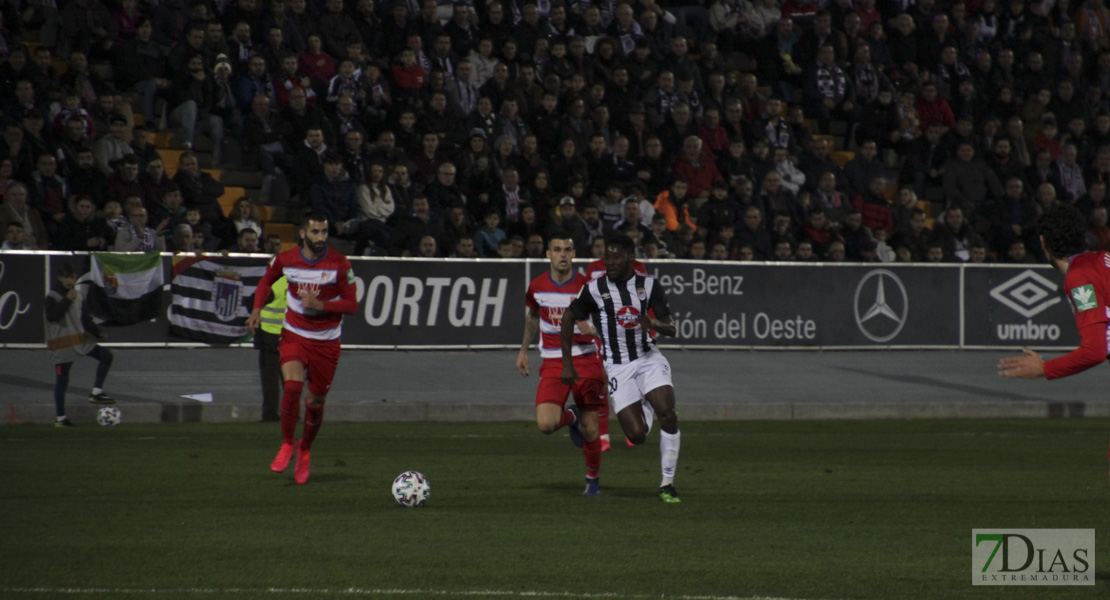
x: 293, y: 387
x: 588, y: 429
x: 546, y: 426
x: 637, y: 437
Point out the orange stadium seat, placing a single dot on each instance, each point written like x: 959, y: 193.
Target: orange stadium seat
x: 843, y: 157
x: 230, y: 197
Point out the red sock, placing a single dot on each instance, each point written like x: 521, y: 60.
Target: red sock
x: 313, y: 415
x: 592, y: 450
x: 566, y: 419
x: 290, y: 409
x: 603, y: 420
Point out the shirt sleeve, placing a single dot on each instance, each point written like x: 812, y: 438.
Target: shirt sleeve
x: 347, y: 302
x: 1091, y: 318
x: 274, y: 271
x: 583, y: 306
x: 530, y: 299
x: 657, y: 302
x: 1090, y: 353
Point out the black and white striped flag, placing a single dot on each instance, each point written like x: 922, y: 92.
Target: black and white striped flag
x: 213, y: 296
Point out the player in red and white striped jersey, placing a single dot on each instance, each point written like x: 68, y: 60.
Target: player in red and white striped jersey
x: 547, y: 298
x: 594, y: 270
x: 1087, y: 284
x: 321, y: 290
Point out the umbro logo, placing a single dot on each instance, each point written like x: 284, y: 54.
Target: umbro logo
x: 1028, y: 293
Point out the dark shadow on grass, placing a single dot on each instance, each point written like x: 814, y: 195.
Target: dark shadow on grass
x: 940, y: 383
x: 324, y: 478
x: 564, y: 489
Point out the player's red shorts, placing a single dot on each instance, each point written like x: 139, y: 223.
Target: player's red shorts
x: 318, y: 357
x: 590, y: 391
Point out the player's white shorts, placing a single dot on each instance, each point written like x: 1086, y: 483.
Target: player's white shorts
x: 629, y: 381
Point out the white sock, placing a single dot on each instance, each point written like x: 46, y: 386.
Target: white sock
x: 97, y: 390
x: 649, y: 415
x: 61, y: 418
x: 668, y: 454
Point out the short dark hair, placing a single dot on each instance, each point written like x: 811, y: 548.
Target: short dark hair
x: 313, y: 215
x: 621, y: 241
x: 66, y: 270
x: 1063, y: 229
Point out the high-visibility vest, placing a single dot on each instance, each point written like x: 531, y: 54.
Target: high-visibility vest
x: 273, y: 314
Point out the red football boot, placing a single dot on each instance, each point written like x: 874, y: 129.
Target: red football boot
x: 300, y: 470
x: 281, y: 461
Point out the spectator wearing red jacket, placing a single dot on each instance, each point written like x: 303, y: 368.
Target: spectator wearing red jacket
x: 873, y: 206
x: 697, y: 165
x: 931, y: 108
x: 408, y: 76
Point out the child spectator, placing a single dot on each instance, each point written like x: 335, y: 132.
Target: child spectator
x: 489, y: 237
x: 69, y: 333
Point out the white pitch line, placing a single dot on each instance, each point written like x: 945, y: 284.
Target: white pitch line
x: 355, y: 591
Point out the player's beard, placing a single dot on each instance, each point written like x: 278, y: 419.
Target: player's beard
x: 317, y: 247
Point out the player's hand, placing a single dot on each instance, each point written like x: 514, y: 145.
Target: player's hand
x: 647, y: 322
x: 569, y: 375
x: 522, y: 365
x: 255, y: 319
x: 310, y: 297
x: 313, y: 302
x: 587, y: 328
x: 1029, y: 366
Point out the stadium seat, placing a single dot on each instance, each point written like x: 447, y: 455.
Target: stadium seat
x: 31, y: 47
x: 838, y: 127
x: 287, y: 232
x: 264, y: 212
x: 172, y: 159
x: 245, y: 179
x: 831, y: 139
x: 889, y: 192
x: 843, y: 157
x: 216, y: 174
x: 230, y: 197
x: 161, y: 139
x: 138, y: 117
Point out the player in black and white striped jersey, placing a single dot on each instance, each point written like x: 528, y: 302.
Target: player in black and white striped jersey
x: 620, y: 302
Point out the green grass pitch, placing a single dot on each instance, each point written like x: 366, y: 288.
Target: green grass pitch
x: 799, y: 510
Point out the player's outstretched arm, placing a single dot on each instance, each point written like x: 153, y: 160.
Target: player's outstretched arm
x: 531, y: 328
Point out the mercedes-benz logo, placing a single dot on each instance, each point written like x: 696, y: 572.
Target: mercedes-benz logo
x: 880, y: 316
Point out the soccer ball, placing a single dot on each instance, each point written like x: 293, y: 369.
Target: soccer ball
x: 108, y: 416
x: 411, y: 489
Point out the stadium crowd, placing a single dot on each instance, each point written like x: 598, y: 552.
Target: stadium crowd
x: 859, y: 130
